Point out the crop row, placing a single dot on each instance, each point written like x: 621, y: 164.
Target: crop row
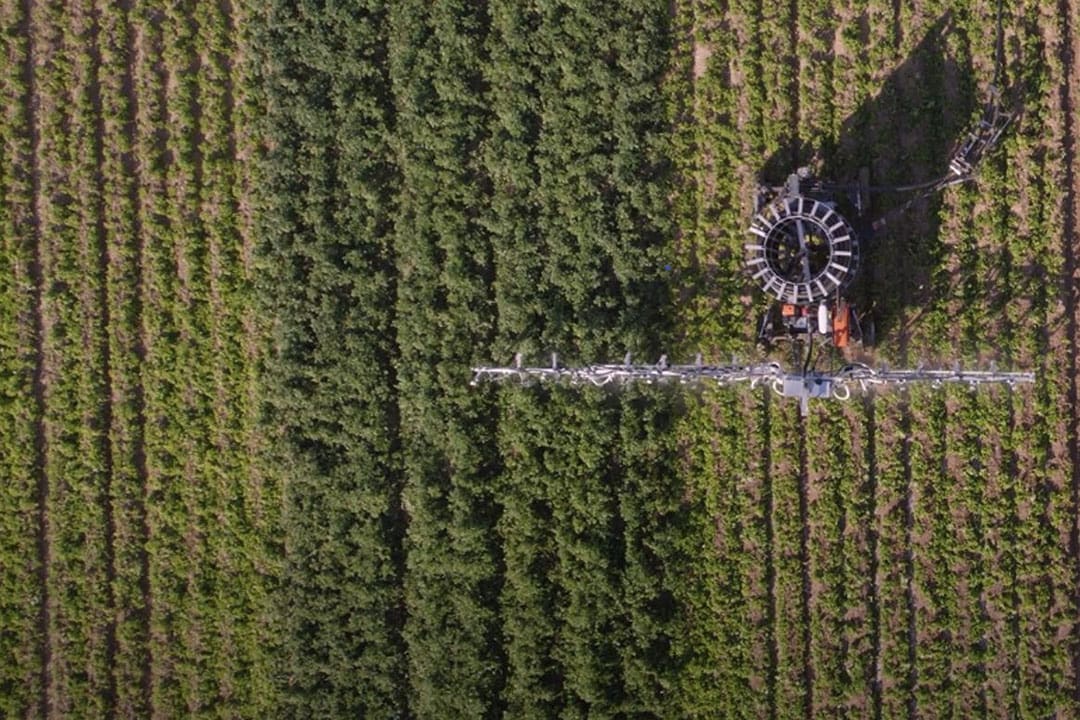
x: 121, y: 241
x: 730, y: 598
x: 444, y: 324
x: 326, y: 198
x: 839, y: 521
x: 77, y: 463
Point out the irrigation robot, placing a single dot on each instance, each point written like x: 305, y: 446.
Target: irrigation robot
x: 804, y: 255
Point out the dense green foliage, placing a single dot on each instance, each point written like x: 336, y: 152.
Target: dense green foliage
x: 248, y: 254
x: 329, y: 190
x: 444, y: 323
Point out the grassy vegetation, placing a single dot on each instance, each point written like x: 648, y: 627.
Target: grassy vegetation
x: 248, y: 255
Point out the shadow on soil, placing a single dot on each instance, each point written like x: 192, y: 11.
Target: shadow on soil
x: 903, y: 134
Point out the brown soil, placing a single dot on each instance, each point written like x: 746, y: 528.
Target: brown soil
x: 42, y: 324
x: 702, y: 52
x: 142, y: 129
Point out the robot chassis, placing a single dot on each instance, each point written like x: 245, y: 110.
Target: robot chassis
x: 804, y: 254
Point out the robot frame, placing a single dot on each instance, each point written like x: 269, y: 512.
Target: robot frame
x: 804, y: 255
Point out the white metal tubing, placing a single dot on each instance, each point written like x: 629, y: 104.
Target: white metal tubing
x: 848, y: 378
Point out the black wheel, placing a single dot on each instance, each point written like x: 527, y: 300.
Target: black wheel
x: 801, y: 251
x: 864, y: 190
x: 868, y: 333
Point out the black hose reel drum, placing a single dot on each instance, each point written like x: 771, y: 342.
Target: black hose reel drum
x: 801, y: 251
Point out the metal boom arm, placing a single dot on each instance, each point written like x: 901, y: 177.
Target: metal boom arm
x: 835, y: 385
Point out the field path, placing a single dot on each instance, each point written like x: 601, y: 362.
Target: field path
x: 870, y: 459
x: 40, y: 328
x: 94, y: 246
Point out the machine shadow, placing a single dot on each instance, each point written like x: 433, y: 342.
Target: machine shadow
x: 903, y: 135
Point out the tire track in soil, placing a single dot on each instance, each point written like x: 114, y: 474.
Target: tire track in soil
x: 804, y: 565
x: 133, y: 171
x: 1067, y: 98
x: 40, y: 371
x: 94, y: 90
x: 770, y: 553
x: 870, y: 457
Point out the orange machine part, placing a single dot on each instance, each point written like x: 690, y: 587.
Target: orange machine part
x: 841, y: 326
x: 787, y: 310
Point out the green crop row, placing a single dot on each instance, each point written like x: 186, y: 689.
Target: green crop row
x: 841, y: 642
x: 77, y: 461
x: 443, y: 325
x: 326, y: 196
x: 892, y: 420
x: 20, y: 590
x: 175, y: 401
x: 729, y: 632
x: 121, y: 230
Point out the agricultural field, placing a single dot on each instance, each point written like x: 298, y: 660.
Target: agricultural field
x: 250, y: 251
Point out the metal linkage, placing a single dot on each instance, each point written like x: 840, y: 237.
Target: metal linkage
x: 981, y: 140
